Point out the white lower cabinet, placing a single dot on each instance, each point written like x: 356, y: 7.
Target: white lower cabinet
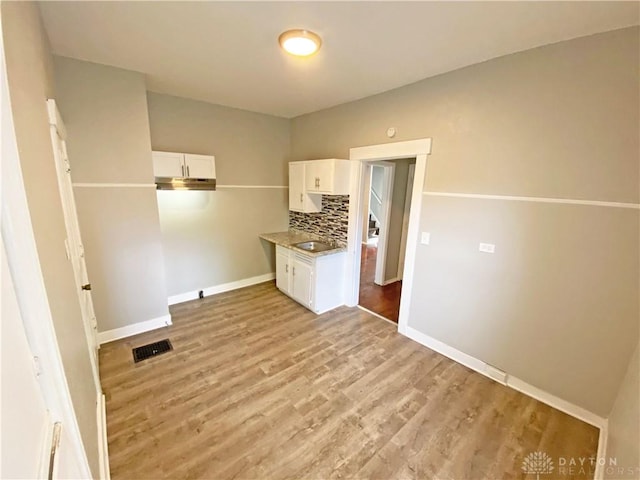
x: 282, y: 270
x: 302, y: 279
x: 313, y: 281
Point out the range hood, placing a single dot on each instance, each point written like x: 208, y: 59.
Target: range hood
x: 182, y: 183
x: 184, y: 171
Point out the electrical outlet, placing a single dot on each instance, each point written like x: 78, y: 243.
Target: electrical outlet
x: 487, y: 247
x: 425, y: 238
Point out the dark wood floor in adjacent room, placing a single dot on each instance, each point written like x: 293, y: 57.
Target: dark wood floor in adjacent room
x: 258, y: 387
x: 384, y: 301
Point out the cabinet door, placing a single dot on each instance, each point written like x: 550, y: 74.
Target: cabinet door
x: 199, y: 166
x: 311, y: 176
x: 167, y: 164
x: 319, y: 176
x: 302, y: 277
x: 296, y: 187
x: 283, y: 271
x: 299, y: 199
x: 324, y: 172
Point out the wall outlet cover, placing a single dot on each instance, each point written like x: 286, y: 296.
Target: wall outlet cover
x: 487, y: 247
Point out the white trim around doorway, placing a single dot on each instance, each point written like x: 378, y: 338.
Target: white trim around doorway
x: 418, y: 149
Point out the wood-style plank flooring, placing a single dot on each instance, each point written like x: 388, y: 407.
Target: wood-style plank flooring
x: 385, y: 300
x: 259, y: 387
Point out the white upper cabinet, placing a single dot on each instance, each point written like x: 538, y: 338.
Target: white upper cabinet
x: 199, y: 166
x: 167, y: 164
x: 299, y: 200
x: 183, y: 165
x: 331, y: 176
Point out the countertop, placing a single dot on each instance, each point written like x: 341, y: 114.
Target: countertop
x: 290, y: 238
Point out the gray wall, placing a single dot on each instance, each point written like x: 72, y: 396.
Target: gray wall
x: 30, y: 77
x: 624, y: 422
x: 211, y: 238
x: 377, y: 186
x: 396, y: 217
x: 105, y: 112
x: 557, y: 304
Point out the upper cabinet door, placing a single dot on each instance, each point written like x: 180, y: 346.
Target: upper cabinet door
x: 325, y: 171
x: 296, y: 187
x: 331, y: 176
x: 311, y: 176
x: 299, y: 199
x: 199, y: 166
x: 167, y: 164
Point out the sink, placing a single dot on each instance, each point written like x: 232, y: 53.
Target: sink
x: 314, y: 246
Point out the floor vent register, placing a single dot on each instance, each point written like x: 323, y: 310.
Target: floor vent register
x: 151, y: 350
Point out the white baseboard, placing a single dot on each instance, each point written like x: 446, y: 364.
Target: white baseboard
x: 225, y: 287
x: 134, y: 329
x: 556, y: 402
x: 103, y: 445
x: 511, y: 381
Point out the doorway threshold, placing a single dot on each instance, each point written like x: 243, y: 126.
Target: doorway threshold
x: 377, y: 315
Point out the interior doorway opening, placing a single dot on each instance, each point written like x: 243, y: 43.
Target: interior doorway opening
x: 386, y: 204
x: 362, y: 156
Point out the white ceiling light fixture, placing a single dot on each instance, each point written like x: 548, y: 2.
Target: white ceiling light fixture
x: 299, y: 42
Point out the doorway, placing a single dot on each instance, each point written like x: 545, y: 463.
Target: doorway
x: 363, y: 156
x: 386, y: 205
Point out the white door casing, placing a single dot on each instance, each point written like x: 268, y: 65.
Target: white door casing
x: 26, y: 421
x: 28, y: 331
x: 75, y: 248
x: 418, y: 149
x: 34, y: 445
x: 405, y: 221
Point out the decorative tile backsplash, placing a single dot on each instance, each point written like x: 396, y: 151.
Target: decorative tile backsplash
x: 331, y: 223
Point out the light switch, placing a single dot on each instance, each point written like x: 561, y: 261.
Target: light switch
x: 487, y: 247
x: 425, y: 238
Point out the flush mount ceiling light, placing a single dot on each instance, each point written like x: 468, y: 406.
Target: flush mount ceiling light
x: 301, y: 43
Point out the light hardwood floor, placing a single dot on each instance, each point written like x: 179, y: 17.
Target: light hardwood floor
x: 259, y: 387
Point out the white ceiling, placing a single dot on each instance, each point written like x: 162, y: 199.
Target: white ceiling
x: 227, y: 52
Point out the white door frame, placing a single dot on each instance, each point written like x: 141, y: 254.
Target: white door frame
x: 385, y: 220
x: 387, y: 151
x: 405, y: 220
x: 24, y: 263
